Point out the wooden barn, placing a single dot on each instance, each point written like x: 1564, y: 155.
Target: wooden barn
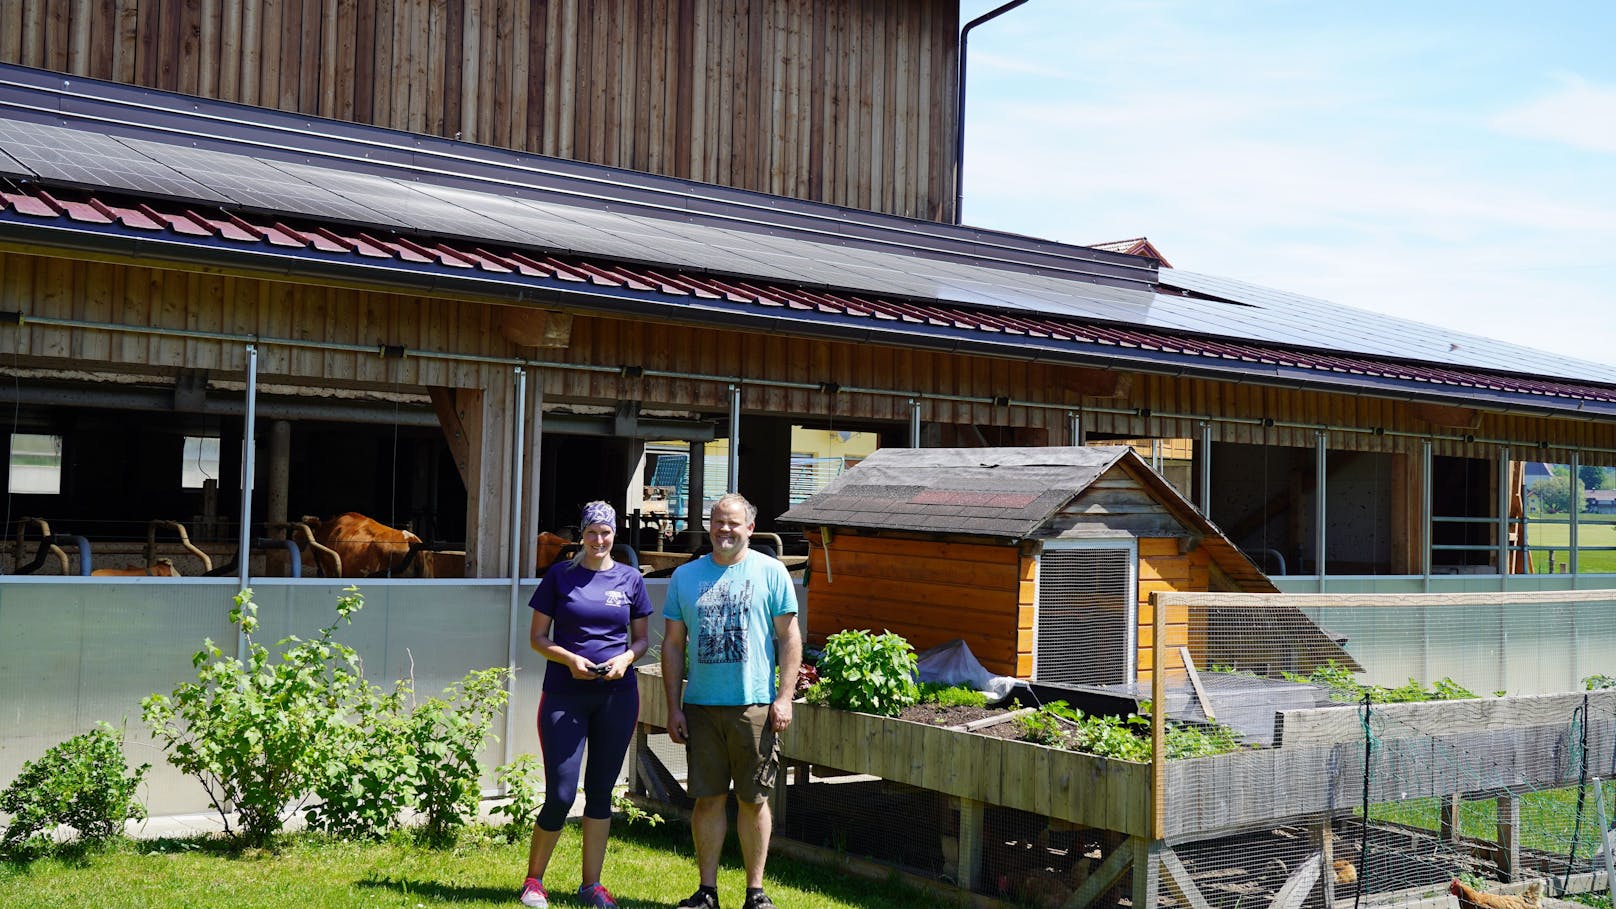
x: 1042, y: 559
x: 463, y: 267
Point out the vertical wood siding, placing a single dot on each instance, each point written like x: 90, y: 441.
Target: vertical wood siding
x: 841, y: 101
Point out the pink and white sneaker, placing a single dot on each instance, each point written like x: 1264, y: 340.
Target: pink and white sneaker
x: 533, y: 895
x: 596, y: 896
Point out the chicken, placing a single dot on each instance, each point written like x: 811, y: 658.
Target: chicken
x: 1470, y: 898
x: 1345, y: 871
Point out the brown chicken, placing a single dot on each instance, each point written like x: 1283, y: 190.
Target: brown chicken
x: 1471, y: 898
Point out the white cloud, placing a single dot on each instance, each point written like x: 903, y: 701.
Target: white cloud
x: 1577, y: 113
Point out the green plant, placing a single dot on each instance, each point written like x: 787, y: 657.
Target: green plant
x: 631, y: 811
x: 80, y: 782
x: 1598, y: 682
x: 257, y: 733
x: 1344, y: 686
x: 1059, y: 725
x: 367, y: 776
x: 523, y: 782
x: 951, y: 695
x: 867, y: 672
x: 445, y: 735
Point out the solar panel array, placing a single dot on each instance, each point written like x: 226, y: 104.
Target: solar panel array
x: 428, y: 187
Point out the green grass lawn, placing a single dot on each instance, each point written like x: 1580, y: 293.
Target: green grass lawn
x: 1548, y: 818
x: 645, y: 867
x: 1592, y: 530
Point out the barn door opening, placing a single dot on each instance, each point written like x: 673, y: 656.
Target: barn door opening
x: 1085, y: 617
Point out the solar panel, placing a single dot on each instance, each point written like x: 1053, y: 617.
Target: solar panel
x: 404, y: 205
x: 11, y: 167
x: 255, y: 184
x: 95, y: 161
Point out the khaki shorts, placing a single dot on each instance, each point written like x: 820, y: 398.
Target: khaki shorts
x: 731, y: 743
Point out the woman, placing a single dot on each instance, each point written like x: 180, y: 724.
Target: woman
x: 590, y: 622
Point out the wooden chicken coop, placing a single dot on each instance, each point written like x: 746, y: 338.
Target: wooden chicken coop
x: 1042, y: 559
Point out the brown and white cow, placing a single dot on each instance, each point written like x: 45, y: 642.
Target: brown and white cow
x: 366, y: 548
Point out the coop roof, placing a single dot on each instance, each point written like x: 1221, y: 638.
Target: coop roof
x: 1006, y: 494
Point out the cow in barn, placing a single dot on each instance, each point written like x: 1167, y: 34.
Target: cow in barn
x: 354, y: 546
x: 162, y: 568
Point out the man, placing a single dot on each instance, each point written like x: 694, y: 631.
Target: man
x: 731, y: 618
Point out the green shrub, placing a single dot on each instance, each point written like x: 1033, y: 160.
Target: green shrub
x: 867, y: 672
x: 446, y: 734
x: 523, y: 781
x: 82, y: 783
x: 366, y: 778
x: 1598, y: 682
x: 1060, y: 725
x: 951, y: 695
x: 257, y: 734
x: 1344, y: 686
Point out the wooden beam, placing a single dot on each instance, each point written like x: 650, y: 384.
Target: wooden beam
x: 971, y: 814
x: 1105, y: 876
x: 1449, y: 823
x: 1509, y: 837
x: 1147, y: 871
x: 454, y: 431
x: 1178, y: 878
x: 1299, y: 884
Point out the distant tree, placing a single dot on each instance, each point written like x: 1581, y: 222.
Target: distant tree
x: 1554, y: 494
x: 1592, y: 477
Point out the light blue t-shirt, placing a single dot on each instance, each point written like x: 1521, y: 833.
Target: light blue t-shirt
x: 729, y: 613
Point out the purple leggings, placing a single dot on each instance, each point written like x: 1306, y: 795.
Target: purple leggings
x: 605, y: 720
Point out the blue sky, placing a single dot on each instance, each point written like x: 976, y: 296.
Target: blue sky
x: 1449, y: 162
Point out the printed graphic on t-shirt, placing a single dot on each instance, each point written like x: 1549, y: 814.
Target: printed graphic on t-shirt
x: 722, y: 638
x: 616, y: 599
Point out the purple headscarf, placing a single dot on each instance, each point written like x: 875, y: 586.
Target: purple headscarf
x: 598, y: 513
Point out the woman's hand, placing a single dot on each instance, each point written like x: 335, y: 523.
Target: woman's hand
x: 618, y: 666
x: 581, y: 668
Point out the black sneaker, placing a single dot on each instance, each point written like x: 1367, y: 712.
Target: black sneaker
x: 759, y: 901
x: 702, y: 899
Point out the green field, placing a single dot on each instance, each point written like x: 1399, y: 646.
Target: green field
x: 1592, y: 530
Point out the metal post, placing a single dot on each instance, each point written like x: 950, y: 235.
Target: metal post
x: 1206, y: 469
x: 733, y: 481
x: 1504, y: 490
x: 914, y: 422
x: 696, y: 489
x: 1074, y: 427
x: 1425, y: 512
x: 515, y: 473
x: 1573, y: 505
x: 1321, y: 507
x: 248, y: 468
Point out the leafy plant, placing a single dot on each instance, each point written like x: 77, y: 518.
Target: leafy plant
x: 1059, y: 725
x: 523, y: 782
x: 80, y: 782
x: 1344, y: 686
x: 951, y: 695
x: 867, y: 672
x: 1598, y: 682
x: 445, y: 735
x: 257, y: 733
x: 367, y: 777
x: 630, y: 809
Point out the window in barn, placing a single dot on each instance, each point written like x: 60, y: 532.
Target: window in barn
x: 1084, y: 621
x: 36, y: 464
x: 201, y: 461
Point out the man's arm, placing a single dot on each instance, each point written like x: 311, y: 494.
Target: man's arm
x: 673, y: 678
x: 788, y: 652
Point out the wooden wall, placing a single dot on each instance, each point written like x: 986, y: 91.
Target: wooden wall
x: 929, y: 592
x: 1163, y: 567
x: 842, y: 101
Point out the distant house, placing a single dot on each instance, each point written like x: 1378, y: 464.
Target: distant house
x: 1536, y: 472
x: 1599, y: 501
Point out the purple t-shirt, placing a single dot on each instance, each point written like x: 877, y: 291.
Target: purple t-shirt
x: 590, y: 613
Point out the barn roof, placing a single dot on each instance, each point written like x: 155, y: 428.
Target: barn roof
x: 1007, y: 494
x: 139, y: 175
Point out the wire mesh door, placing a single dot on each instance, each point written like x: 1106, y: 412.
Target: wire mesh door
x: 1085, y: 614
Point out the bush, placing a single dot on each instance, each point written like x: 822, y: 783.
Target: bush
x: 445, y: 735
x: 866, y: 672
x: 258, y: 734
x: 1059, y: 725
x: 81, y: 783
x: 366, y: 779
x: 523, y: 781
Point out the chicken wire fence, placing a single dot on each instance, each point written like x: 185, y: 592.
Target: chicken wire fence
x: 1322, y: 750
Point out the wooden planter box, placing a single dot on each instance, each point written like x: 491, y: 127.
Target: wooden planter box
x: 1079, y: 788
